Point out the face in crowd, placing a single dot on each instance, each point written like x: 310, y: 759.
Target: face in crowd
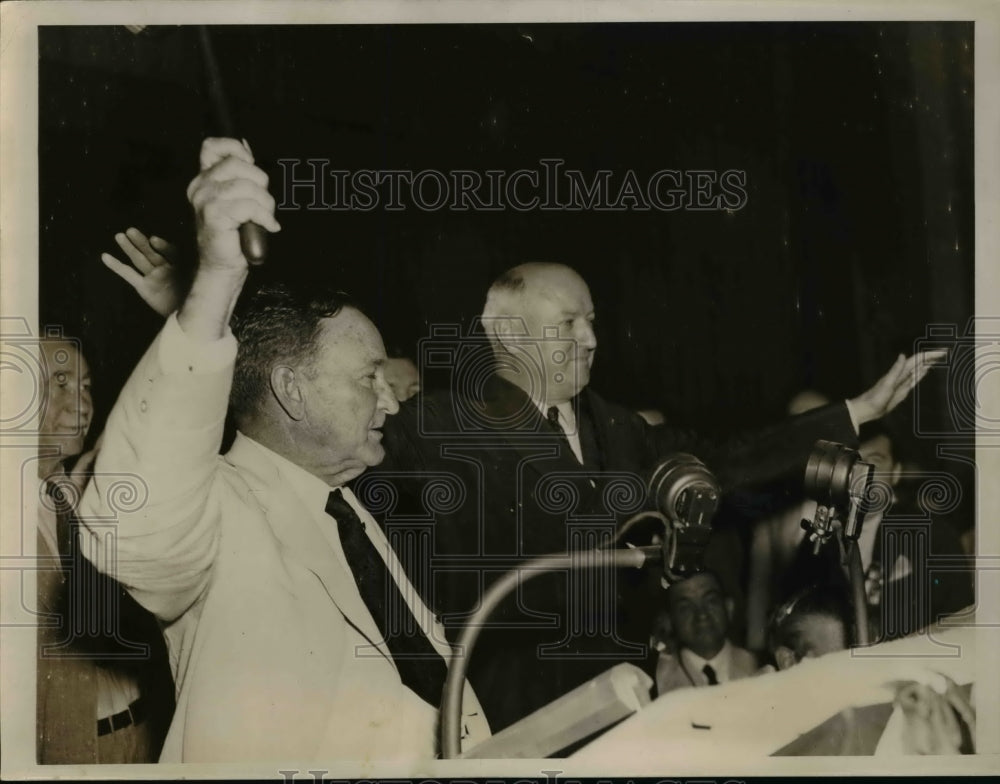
x: 877, y: 450
x: 67, y: 406
x: 810, y: 635
x: 402, y: 376
x: 699, y: 614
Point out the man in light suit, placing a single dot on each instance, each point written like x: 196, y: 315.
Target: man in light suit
x: 699, y: 616
x: 280, y: 599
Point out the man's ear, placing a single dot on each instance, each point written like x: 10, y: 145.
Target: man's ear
x: 503, y: 331
x: 287, y: 391
x: 730, y: 608
x: 784, y: 657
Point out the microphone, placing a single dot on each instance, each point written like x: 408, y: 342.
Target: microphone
x: 839, y: 481
x: 687, y: 494
x: 683, y: 488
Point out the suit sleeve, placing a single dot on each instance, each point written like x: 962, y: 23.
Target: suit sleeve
x: 154, y: 491
x: 757, y: 458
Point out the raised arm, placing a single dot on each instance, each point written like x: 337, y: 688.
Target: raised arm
x: 779, y: 452
x: 155, y: 476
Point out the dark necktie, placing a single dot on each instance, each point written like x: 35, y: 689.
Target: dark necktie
x: 553, y: 416
x: 420, y: 666
x: 710, y: 674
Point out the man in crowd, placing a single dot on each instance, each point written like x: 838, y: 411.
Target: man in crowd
x: 898, y: 541
x: 814, y: 622
x: 104, y: 690
x: 402, y: 376
x: 703, y: 655
x: 293, y: 633
x: 774, y: 542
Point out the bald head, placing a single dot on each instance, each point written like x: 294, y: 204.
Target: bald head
x: 539, y: 318
x: 806, y: 400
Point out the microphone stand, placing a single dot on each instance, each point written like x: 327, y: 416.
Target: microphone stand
x: 454, y: 686
x: 859, y: 598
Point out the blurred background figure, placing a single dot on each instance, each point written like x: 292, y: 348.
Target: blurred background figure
x: 813, y: 623
x: 898, y: 540
x: 402, y: 375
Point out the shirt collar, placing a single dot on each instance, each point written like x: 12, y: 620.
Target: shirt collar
x: 310, y: 488
x: 567, y: 414
x: 720, y: 662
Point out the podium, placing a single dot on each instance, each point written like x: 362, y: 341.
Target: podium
x: 745, y: 721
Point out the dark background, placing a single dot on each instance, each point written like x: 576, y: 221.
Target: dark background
x: 856, y: 140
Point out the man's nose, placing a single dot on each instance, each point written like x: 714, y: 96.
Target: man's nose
x: 585, y: 336
x: 85, y: 404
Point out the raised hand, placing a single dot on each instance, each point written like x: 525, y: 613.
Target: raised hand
x: 228, y: 191
x: 890, y: 390
x: 154, y: 276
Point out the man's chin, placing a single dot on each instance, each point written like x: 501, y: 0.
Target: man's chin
x: 68, y: 446
x: 374, y: 454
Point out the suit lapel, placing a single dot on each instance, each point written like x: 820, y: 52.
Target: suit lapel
x: 517, y: 420
x: 293, y: 525
x: 590, y: 411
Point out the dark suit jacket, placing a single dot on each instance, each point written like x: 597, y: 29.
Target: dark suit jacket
x: 91, y: 622
x: 484, y: 482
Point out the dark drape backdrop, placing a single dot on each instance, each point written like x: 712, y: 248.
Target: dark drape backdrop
x: 856, y: 140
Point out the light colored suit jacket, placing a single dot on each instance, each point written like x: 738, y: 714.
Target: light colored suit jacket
x: 671, y: 672
x: 275, y: 655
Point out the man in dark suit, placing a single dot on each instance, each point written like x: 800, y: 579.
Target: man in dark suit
x: 534, y: 461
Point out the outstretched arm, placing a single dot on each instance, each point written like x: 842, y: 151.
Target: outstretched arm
x: 163, y: 435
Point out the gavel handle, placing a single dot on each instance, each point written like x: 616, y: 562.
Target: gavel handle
x: 253, y: 238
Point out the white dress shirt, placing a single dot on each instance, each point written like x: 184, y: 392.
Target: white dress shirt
x: 694, y: 665
x: 567, y: 421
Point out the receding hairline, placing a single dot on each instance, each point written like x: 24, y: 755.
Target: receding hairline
x: 512, y: 286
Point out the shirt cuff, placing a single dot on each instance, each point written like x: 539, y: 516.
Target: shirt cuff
x: 854, y: 418
x: 180, y: 353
